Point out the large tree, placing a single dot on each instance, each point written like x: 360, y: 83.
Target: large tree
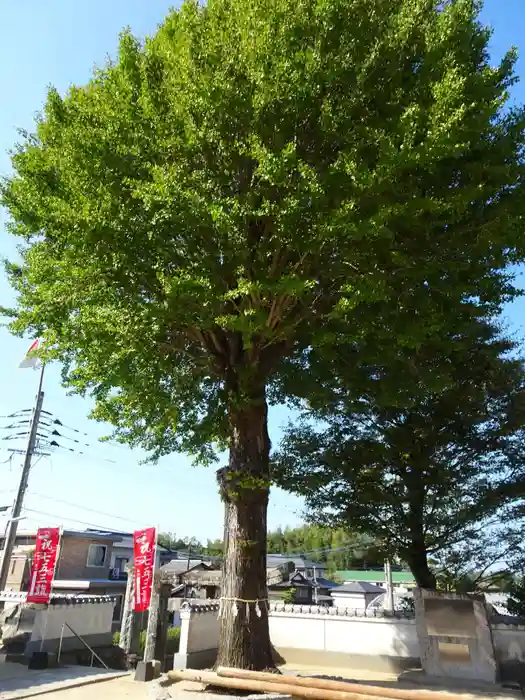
x: 217, y: 197
x: 490, y: 553
x: 417, y: 452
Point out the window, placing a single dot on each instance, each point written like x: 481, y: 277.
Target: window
x: 97, y: 555
x: 121, y: 563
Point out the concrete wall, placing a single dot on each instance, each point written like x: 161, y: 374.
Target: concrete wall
x: 304, y: 634
x: 72, y: 563
x: 343, y: 638
x: 90, y: 617
x: 509, y: 647
x: 18, y: 574
x: 336, y: 638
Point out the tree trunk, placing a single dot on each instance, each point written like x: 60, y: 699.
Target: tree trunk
x: 417, y: 557
x: 418, y: 563
x: 244, y: 485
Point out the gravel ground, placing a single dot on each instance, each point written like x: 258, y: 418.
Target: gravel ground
x: 128, y: 689
x: 186, y: 690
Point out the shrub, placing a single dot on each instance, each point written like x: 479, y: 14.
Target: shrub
x: 172, y: 645
x: 289, y: 595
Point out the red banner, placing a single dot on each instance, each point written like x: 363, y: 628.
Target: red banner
x: 144, y: 552
x: 43, y: 567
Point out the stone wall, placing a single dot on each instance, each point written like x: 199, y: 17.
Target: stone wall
x: 330, y: 637
x: 509, y: 646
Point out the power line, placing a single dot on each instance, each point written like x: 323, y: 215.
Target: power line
x: 101, y: 441
x: 59, y: 518
x: 48, y: 434
x: 76, y: 505
x: 86, y: 455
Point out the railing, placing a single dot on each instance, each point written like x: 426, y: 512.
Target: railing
x: 117, y: 575
x: 93, y: 652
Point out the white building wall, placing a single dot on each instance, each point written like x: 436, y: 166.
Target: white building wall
x: 348, y: 600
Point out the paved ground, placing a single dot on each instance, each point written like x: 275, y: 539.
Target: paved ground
x: 17, y: 681
x: 77, y: 683
x: 81, y: 683
x: 117, y: 689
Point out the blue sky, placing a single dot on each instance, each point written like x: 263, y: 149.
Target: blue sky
x: 57, y: 43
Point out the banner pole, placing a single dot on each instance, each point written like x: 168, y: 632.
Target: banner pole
x: 46, y: 612
x: 153, y: 612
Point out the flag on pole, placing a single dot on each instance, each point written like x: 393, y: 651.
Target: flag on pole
x: 144, y: 558
x: 30, y: 360
x: 44, y: 564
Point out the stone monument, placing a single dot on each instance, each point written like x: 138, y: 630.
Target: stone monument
x: 454, y: 636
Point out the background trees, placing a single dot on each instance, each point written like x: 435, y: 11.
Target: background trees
x: 251, y: 182
x: 337, y: 548
x: 417, y: 452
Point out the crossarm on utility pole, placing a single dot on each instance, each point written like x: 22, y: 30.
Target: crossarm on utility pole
x: 10, y: 538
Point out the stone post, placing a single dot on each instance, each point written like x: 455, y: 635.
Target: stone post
x: 153, y: 616
x: 130, y: 627
x: 180, y: 659
x: 454, y: 636
x: 162, y: 622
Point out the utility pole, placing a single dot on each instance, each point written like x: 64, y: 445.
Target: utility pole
x: 389, y: 596
x: 10, y: 538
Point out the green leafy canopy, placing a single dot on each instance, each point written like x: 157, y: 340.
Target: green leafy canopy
x: 214, y: 199
x: 417, y: 452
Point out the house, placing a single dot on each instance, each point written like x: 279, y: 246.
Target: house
x: 356, y: 595
x: 403, y: 579
x: 184, y: 554
x: 19, y: 569
x: 308, y: 568
x: 84, y: 558
x: 83, y: 565
x: 322, y: 591
x: 203, y: 579
x: 178, y: 567
x: 122, y: 552
x: 303, y: 589
x: 187, y: 578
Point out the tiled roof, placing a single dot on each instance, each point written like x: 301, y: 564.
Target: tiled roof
x: 299, y: 562
x: 358, y: 587
x: 180, y: 566
x: 325, y: 583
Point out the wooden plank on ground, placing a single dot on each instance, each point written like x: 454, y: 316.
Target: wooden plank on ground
x: 211, y: 678
x: 344, y: 686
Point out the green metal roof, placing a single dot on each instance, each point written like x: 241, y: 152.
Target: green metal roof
x: 376, y: 576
